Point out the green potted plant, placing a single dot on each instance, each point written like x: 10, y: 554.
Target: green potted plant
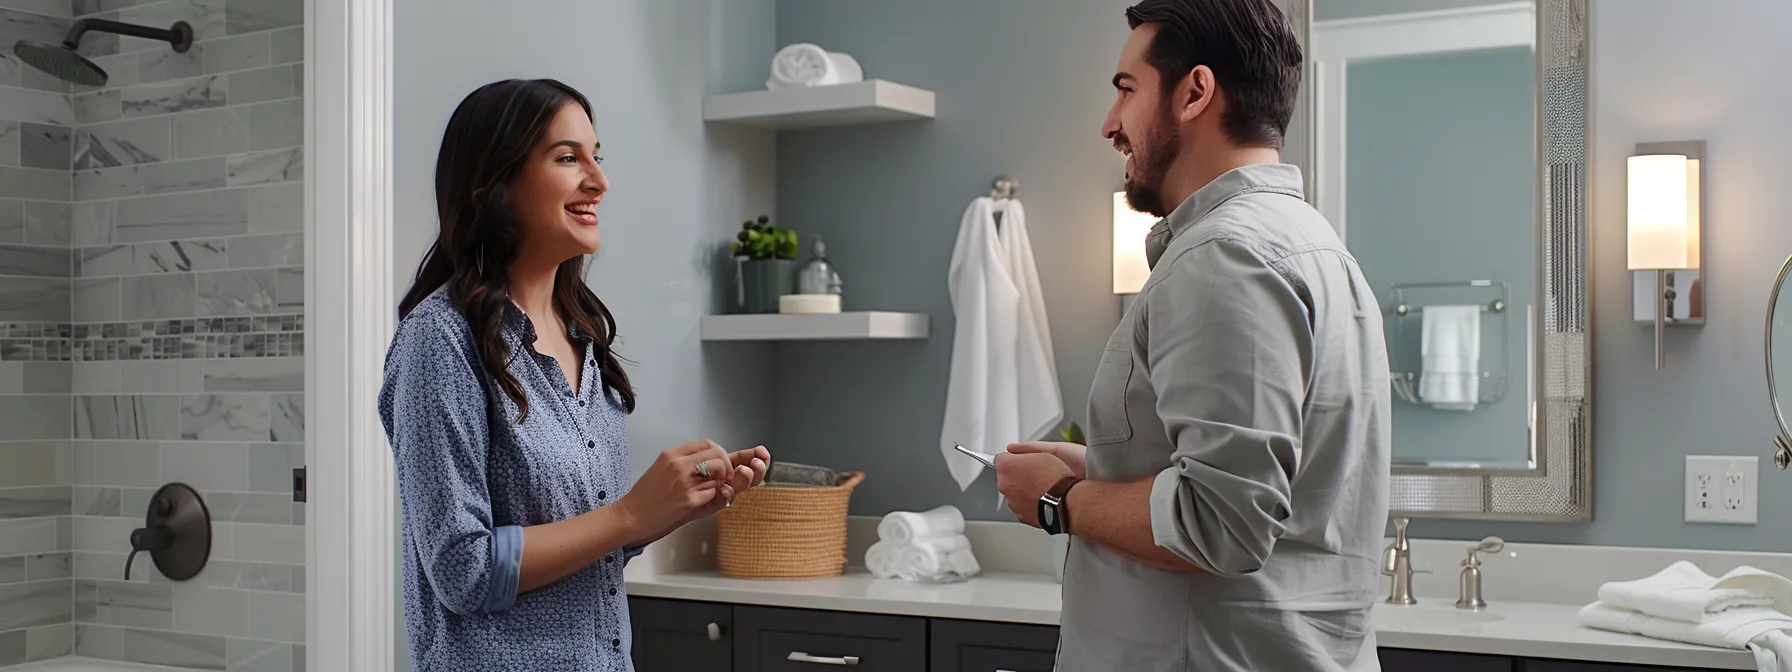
x: 767, y: 255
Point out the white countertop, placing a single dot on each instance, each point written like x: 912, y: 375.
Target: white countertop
x: 1524, y: 629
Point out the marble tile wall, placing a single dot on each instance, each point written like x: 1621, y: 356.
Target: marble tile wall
x: 37, y: 130
x: 151, y: 330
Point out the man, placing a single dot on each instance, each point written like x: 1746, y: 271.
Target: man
x: 1238, y: 436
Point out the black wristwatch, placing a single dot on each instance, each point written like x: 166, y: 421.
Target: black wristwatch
x: 1054, y: 506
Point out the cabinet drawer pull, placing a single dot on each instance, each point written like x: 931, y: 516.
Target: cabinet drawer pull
x: 715, y: 632
x: 801, y: 657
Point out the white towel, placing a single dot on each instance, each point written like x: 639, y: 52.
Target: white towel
x: 906, y: 527
x: 1683, y: 592
x: 1773, y: 652
x: 1451, y: 350
x: 803, y: 65
x: 940, y: 558
x: 884, y: 559
x: 1736, y: 629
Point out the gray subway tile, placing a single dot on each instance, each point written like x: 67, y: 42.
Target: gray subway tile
x: 39, y: 502
x: 107, y: 261
x: 10, y: 144
x: 248, y: 16
x: 177, y: 256
x: 12, y: 221
x: 196, y: 93
x: 40, y: 107
x: 267, y: 251
x: 206, y: 17
x: 276, y: 125
x: 123, y: 143
x: 44, y: 185
x: 103, y: 183
x: 42, y: 417
x: 160, y: 297
x: 30, y: 261
x: 95, y: 223
x: 48, y: 566
x: 98, y: 501
x: 210, y: 214
x: 50, y: 642
x: 35, y: 603
x: 12, y: 569
x: 211, y: 132
x: 262, y: 85
x: 288, y: 45
x: 214, y: 467
x: 38, y: 535
x: 100, y: 106
x: 239, y: 507
x: 228, y: 293
x: 277, y: 208
x: 49, y: 377
x: 12, y: 648
x: 126, y: 417
x: 54, y: 8
x: 163, y: 64
x: 233, y: 54
x: 45, y: 146
x: 179, y: 176
x: 151, y: 647
x: 29, y: 463
x: 290, y: 289
x: 126, y: 603
x: 277, y: 616
x: 288, y: 422
x: 226, y: 417
x: 281, y: 165
x: 250, y: 655
x: 34, y: 300
x: 270, y: 374
x: 48, y: 223
x: 271, y: 465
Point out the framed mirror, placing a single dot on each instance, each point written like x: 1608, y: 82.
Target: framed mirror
x: 1779, y: 362
x: 1450, y: 142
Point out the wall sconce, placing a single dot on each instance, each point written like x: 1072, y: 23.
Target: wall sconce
x: 1130, y: 229
x: 1664, y: 222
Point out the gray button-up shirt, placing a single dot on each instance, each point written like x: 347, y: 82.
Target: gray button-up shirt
x: 1249, y: 378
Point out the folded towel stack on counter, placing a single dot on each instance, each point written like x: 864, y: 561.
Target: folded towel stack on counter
x: 925, y: 547
x: 1745, y: 609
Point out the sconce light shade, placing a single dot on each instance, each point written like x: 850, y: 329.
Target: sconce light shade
x: 1130, y: 229
x: 1663, y: 212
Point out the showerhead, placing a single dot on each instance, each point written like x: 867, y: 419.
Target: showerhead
x: 63, y: 62
x: 60, y: 62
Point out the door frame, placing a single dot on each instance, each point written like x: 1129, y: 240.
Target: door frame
x: 351, y: 525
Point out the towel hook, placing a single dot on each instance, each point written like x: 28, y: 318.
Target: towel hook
x: 1003, y: 188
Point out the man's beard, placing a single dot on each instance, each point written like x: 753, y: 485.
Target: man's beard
x: 1151, y: 162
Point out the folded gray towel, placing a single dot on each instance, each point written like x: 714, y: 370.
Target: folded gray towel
x: 801, y: 475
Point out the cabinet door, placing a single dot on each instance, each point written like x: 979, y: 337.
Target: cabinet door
x: 795, y: 640
x: 1404, y: 660
x: 681, y: 636
x: 971, y: 646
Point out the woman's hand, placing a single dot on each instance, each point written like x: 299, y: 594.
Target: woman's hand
x: 750, y: 466
x: 672, y: 490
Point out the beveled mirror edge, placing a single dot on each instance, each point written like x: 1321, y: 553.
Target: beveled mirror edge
x: 1783, y: 440
x: 1559, y: 488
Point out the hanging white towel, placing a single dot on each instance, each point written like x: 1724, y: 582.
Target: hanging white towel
x: 1683, y: 592
x: 1451, y: 352
x: 803, y: 64
x: 1773, y: 652
x: 1003, y: 385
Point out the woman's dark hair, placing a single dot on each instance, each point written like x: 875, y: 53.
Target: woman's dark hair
x: 487, y: 142
x: 1251, y: 48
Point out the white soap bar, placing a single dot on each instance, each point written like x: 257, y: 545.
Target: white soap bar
x: 809, y: 303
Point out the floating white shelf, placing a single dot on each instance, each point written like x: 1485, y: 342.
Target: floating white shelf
x: 871, y: 101
x: 872, y: 325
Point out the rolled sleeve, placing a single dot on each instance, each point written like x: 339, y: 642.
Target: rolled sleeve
x: 435, y: 414
x: 1228, y: 345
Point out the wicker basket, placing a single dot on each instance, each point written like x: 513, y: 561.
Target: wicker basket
x: 781, y: 532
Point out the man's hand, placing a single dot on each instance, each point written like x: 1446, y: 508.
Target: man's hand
x: 1070, y: 453
x: 1023, y: 478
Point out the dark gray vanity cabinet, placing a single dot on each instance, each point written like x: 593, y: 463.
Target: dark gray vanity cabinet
x: 769, y: 639
x: 680, y: 635
x: 1403, y: 660
x: 976, y: 646
x: 1576, y: 666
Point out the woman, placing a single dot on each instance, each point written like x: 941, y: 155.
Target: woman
x: 506, y: 407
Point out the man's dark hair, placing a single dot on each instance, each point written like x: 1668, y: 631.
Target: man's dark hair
x: 1251, y: 49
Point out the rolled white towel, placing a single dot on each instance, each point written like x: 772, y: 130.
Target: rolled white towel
x: 906, y: 527
x: 940, y: 558
x: 884, y: 559
x: 803, y: 64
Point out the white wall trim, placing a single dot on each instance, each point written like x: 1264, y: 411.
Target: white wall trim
x: 1339, y: 41
x: 350, y: 519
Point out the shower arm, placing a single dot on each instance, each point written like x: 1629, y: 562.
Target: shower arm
x: 175, y: 36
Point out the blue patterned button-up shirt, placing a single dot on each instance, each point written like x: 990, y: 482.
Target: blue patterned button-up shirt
x: 469, y: 480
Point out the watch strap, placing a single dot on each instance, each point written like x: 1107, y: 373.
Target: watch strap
x: 1059, y: 493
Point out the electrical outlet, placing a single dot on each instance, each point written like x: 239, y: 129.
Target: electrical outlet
x: 1721, y: 489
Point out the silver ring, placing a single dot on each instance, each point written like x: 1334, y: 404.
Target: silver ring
x: 703, y: 470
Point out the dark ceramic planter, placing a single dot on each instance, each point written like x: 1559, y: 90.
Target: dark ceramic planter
x: 764, y: 280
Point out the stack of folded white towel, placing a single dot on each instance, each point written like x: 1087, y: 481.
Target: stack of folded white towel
x: 1743, y: 609
x: 926, y: 547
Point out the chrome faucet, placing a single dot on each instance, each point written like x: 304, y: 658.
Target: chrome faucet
x: 1396, y: 561
x: 1469, y: 597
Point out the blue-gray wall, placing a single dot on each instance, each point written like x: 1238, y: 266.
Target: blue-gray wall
x: 1440, y: 169
x: 1022, y: 89
x: 1712, y: 398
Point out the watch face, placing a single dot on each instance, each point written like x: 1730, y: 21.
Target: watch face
x: 1048, y: 516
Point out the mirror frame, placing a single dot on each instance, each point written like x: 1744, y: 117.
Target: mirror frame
x: 1557, y: 485
x: 1782, y: 440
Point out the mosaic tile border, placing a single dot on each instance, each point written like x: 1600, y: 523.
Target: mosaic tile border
x: 192, y: 338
